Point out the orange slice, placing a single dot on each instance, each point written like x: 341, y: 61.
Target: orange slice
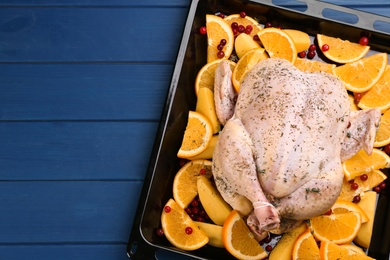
x: 331, y: 251
x: 362, y: 75
x: 238, y: 239
x: 197, y: 135
x: 247, y: 20
x: 184, y: 184
x: 278, y: 44
x: 373, y: 180
x: 313, y: 65
x: 382, y: 136
x: 218, y: 29
x: 341, y: 51
x: 343, y: 206
x: 245, y: 64
x: 206, y: 75
x: 337, y: 228
x: 362, y: 163
x: 305, y: 247
x: 379, y: 95
x: 179, y: 228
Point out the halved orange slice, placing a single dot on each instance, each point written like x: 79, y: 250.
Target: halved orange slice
x: 184, y: 184
x: 360, y: 76
x: 197, y: 135
x: 180, y: 229
x: 278, y: 44
x: 313, y: 65
x: 341, y: 51
x: 332, y: 251
x: 305, y: 247
x: 217, y: 30
x: 382, y: 136
x: 238, y: 239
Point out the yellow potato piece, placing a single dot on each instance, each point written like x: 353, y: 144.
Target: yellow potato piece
x: 213, y: 203
x: 300, y: 39
x: 368, y: 204
x: 244, y: 43
x: 206, y: 106
x: 214, y: 232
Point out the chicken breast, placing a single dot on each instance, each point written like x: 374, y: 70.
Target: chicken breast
x: 280, y: 151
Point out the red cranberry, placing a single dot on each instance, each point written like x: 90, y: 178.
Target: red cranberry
x: 357, y: 97
x: 241, y: 28
x: 364, y: 177
x: 354, y: 186
x: 242, y: 14
x: 325, y: 47
x: 267, y: 239
x: 182, y: 163
x: 160, y: 232
x: 256, y: 37
x: 377, y: 189
x: 188, y: 230
x: 188, y: 210
x: 220, y: 54
x: 382, y: 186
x: 195, y: 203
x: 203, y: 30
x: 387, y: 149
x: 302, y: 54
x: 222, y: 15
x: 220, y: 47
x: 311, y: 54
x: 234, y: 25
x: 363, y: 41
x: 329, y: 212
x: 356, y: 199
x: 268, y: 248
x: 195, y: 211
x: 268, y: 24
x: 223, y: 42
x: 200, y: 219
x: 312, y: 47
x: 167, y: 209
x: 235, y: 31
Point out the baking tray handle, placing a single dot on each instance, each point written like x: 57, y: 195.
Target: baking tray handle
x: 364, y: 20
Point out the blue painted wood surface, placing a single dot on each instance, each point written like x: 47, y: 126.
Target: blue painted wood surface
x: 82, y: 87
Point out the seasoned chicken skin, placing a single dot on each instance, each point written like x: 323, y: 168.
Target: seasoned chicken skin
x: 280, y: 151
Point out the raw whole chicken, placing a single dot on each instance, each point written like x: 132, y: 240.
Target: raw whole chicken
x: 278, y: 159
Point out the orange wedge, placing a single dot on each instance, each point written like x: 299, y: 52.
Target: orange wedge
x: 362, y: 75
x: 218, y: 29
x: 278, y: 44
x: 341, y: 51
x: 343, y: 206
x: 313, y: 65
x: 337, y: 228
x: 238, y: 239
x: 332, y: 251
x: 362, y: 163
x: 179, y: 228
x: 247, y: 20
x: 382, y: 136
x: 206, y: 75
x: 373, y: 180
x: 245, y: 64
x: 184, y: 184
x: 305, y: 247
x: 197, y: 135
x: 379, y: 95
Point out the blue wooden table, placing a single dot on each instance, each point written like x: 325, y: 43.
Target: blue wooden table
x: 82, y: 87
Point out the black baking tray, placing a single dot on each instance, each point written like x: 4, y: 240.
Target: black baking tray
x: 308, y: 16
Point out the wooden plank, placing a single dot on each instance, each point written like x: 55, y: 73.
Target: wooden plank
x: 69, y: 212
x: 64, y: 251
x: 75, y: 150
x: 83, y: 91
x: 90, y: 34
x: 102, y: 3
